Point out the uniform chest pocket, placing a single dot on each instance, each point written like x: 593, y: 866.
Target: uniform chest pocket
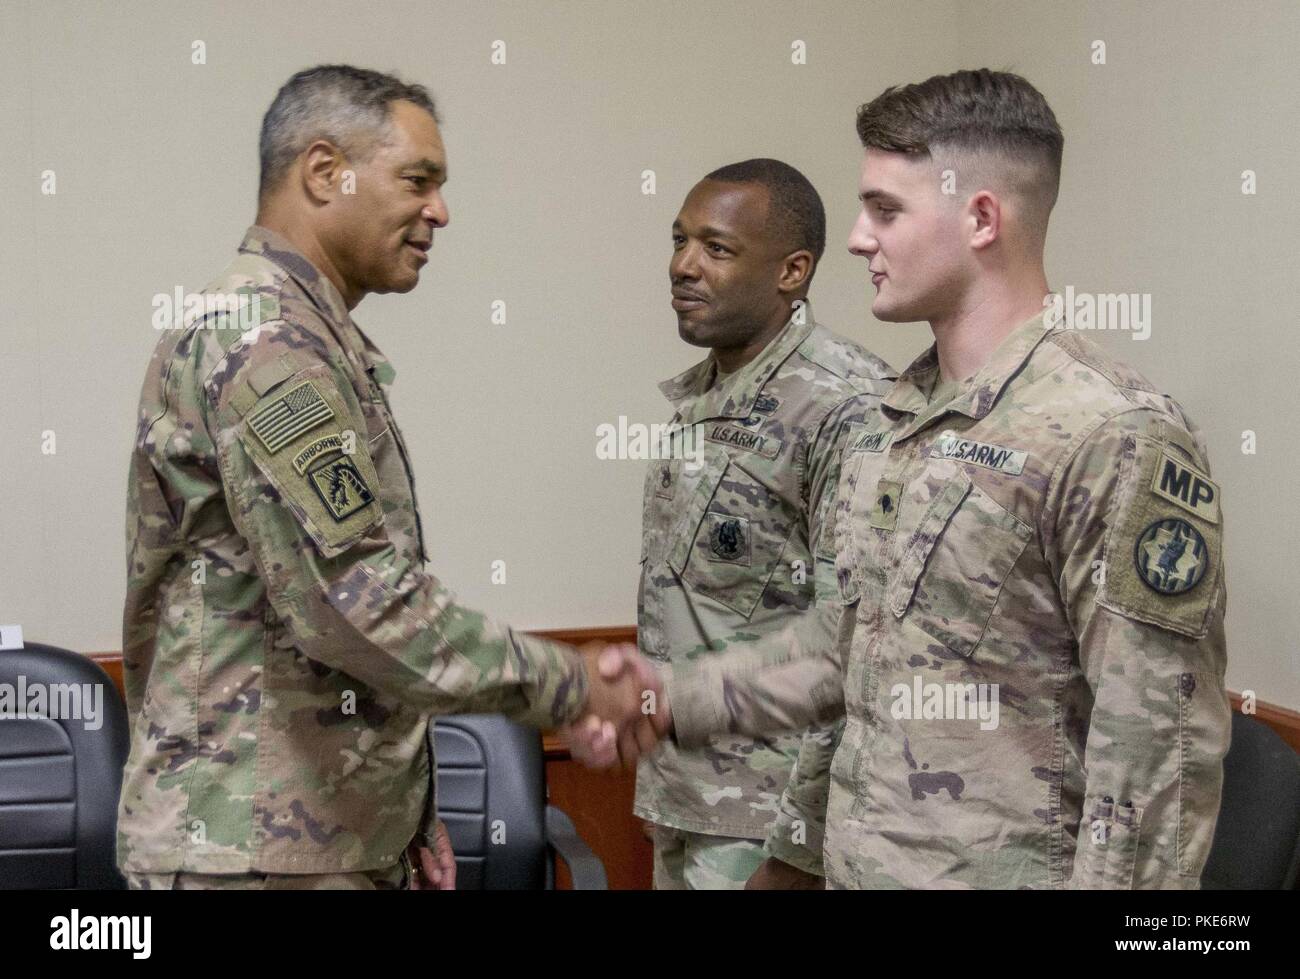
x: 952, y: 565
x: 729, y: 539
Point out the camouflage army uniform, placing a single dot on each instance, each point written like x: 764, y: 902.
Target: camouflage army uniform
x: 1054, y: 531
x: 728, y: 559
x: 284, y: 648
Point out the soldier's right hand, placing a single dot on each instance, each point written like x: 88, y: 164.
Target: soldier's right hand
x: 626, y: 708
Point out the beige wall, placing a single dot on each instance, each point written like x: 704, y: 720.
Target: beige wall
x: 156, y: 167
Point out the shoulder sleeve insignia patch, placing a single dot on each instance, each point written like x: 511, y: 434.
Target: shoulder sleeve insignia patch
x: 341, y: 487
x: 325, y: 479
x: 1162, y: 565
x: 1171, y: 556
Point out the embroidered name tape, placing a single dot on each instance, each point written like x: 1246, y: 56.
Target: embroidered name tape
x: 872, y: 442
x: 768, y: 448
x: 996, y: 457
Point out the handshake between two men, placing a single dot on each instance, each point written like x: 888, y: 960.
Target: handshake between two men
x: 627, y: 710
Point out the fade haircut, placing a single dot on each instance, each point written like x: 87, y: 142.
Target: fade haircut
x: 993, y: 125
x: 795, y: 214
x: 347, y: 106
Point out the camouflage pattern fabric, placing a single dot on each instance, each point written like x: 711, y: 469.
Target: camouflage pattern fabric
x: 395, y: 878
x: 687, y: 861
x: 728, y: 560
x: 1050, y: 544
x: 284, y: 648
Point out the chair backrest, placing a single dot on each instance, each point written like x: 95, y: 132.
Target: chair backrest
x: 492, y: 796
x: 1257, y: 840
x: 59, y: 778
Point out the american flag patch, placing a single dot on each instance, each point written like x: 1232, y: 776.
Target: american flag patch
x: 300, y: 410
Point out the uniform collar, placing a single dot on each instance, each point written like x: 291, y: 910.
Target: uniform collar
x: 696, y: 397
x: 323, y: 294
x: 981, y: 392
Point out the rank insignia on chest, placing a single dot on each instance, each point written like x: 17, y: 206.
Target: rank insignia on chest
x: 884, y: 512
x: 1171, y: 556
x: 289, y: 416
x: 341, y: 487
x: 665, y: 480
x: 728, y: 538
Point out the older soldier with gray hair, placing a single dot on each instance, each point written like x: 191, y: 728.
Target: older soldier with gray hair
x: 284, y: 647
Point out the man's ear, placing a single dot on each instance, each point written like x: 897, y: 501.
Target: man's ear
x: 984, y: 218
x: 795, y: 270
x: 321, y: 167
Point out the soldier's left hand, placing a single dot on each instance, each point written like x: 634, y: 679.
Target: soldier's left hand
x: 434, y: 869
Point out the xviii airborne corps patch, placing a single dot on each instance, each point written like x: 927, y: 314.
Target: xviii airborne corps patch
x: 340, y: 487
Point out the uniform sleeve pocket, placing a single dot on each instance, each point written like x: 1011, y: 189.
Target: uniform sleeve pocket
x: 1204, y: 729
x: 1111, y: 846
x: 955, y: 562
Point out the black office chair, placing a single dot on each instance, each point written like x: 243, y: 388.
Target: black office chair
x: 492, y: 796
x: 1257, y: 841
x: 59, y: 781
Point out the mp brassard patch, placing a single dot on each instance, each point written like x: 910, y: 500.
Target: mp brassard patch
x: 341, y: 487
x: 289, y: 416
x: 1171, y: 556
x: 1177, y: 482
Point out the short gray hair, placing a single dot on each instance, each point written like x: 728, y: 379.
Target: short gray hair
x: 347, y: 106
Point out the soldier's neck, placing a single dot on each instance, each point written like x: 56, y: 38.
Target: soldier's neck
x: 304, y: 238
x: 967, y: 335
x: 732, y: 359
